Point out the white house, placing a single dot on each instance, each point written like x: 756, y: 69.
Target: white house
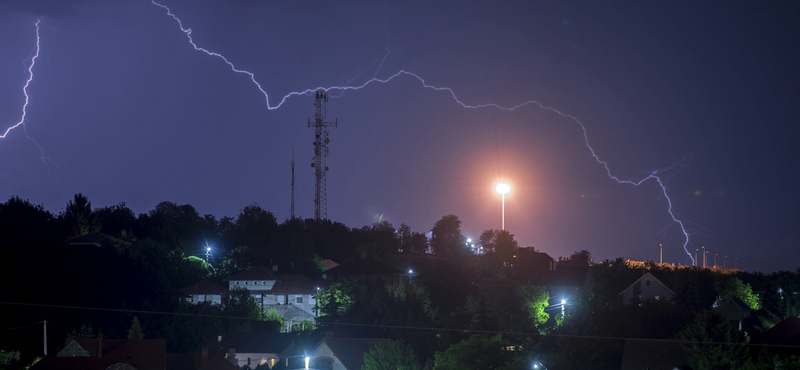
x: 647, y: 287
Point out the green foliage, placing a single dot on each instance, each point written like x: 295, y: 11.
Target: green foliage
x: 196, y: 269
x: 304, y: 325
x: 79, y: 218
x: 333, y: 303
x: 274, y: 316
x: 188, y: 331
x: 85, y: 331
x: 734, y: 287
x: 500, y: 244
x: 396, y: 355
x: 446, y: 236
x: 8, y: 357
x: 713, y: 343
x: 476, y: 353
x: 535, y: 299
x: 135, y: 331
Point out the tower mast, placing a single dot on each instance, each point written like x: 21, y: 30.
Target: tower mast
x: 321, y: 141
x: 292, y: 212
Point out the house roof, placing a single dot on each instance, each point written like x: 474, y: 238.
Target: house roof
x: 143, y: 354
x: 653, y: 354
x: 294, y: 284
x: 786, y: 332
x: 350, y: 351
x: 366, y: 266
x: 643, y: 276
x: 192, y: 361
x: 255, y: 342
x: 204, y: 287
x: 96, y: 238
x: 255, y: 273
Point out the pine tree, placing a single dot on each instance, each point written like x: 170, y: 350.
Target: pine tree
x: 135, y: 332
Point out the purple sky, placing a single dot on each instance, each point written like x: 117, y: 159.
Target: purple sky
x: 125, y: 109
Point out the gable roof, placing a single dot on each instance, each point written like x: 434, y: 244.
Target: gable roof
x: 206, y: 286
x: 294, y: 284
x: 143, y: 354
x: 640, y: 279
x: 365, y: 266
x: 255, y: 273
x: 350, y: 351
x: 786, y: 332
x: 255, y: 342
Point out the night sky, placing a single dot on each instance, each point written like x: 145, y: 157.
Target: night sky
x: 125, y: 110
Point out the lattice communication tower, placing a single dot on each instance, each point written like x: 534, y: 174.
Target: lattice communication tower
x: 321, y: 141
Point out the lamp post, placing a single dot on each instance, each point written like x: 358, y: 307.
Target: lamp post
x: 695, y: 257
x: 715, y: 259
x: 503, y: 188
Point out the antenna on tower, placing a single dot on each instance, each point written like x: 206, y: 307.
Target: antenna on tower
x: 320, y: 153
x: 292, y: 212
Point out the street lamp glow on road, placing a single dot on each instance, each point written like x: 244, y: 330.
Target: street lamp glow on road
x: 503, y: 188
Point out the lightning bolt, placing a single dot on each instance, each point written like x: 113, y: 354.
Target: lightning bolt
x: 654, y: 175
x: 25, y: 89
x: 27, y: 101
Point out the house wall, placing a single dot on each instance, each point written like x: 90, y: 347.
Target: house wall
x: 254, y: 359
x: 251, y: 284
x: 647, y: 288
x: 323, y: 352
x: 306, y: 305
x: 213, y: 298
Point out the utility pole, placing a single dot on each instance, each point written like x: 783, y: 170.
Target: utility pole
x: 45, y: 337
x: 661, y: 254
x: 321, y: 141
x: 292, y: 212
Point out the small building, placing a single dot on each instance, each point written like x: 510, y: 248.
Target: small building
x: 205, y: 291
x: 113, y: 354
x: 735, y: 310
x: 270, y: 349
x: 646, y: 287
x: 342, y: 353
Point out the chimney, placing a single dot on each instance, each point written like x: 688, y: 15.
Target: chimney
x: 219, y: 338
x: 203, y: 356
x: 275, y: 268
x: 363, y: 255
x: 232, y: 355
x: 100, y: 345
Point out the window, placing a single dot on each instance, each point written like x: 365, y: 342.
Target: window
x: 299, y: 299
x: 245, y: 283
x: 647, y: 282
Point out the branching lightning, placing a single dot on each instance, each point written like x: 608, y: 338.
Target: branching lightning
x: 653, y: 175
x: 22, y: 122
x: 25, y: 89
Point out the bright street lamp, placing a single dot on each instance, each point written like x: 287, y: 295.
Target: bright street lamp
x: 503, y: 188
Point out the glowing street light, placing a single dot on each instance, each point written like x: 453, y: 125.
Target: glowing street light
x: 503, y: 188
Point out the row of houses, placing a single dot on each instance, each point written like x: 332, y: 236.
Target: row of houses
x: 276, y: 351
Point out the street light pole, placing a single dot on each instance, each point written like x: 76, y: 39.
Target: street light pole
x: 503, y: 188
x: 695, y: 257
x: 704, y: 256
x: 661, y: 254
x: 715, y: 259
